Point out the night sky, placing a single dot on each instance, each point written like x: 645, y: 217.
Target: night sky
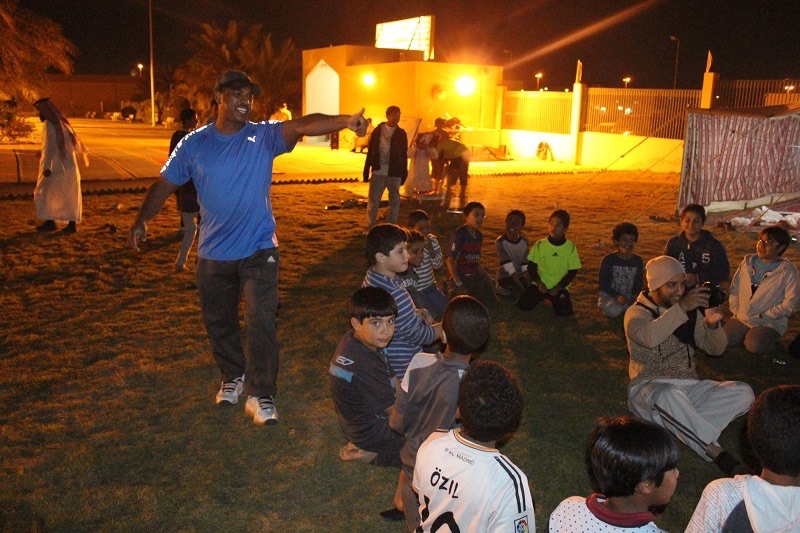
x: 749, y: 39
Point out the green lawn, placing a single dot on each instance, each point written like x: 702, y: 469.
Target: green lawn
x: 107, y: 381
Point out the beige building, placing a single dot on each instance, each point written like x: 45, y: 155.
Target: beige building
x: 343, y: 79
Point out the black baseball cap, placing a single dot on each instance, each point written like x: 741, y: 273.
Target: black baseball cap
x: 236, y: 79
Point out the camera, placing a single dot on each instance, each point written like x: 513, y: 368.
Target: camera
x: 716, y: 296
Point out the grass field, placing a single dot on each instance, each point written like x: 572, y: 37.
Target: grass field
x: 108, y: 383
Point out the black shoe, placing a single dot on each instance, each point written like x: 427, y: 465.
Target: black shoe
x: 70, y: 228
x: 49, y: 225
x: 393, y: 515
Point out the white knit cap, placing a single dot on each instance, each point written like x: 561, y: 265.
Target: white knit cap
x: 662, y: 269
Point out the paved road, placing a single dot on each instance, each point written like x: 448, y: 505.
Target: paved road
x: 119, y: 151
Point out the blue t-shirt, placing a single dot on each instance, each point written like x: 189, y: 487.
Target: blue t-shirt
x: 233, y: 175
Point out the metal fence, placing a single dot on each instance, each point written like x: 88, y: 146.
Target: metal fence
x: 537, y: 111
x: 643, y: 112
x: 757, y: 93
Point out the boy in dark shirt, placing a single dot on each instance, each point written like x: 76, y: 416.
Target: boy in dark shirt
x: 362, y: 383
x: 621, y: 273
x: 703, y: 257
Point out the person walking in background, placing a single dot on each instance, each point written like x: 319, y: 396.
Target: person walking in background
x: 362, y: 141
x: 230, y: 162
x: 437, y: 164
x: 213, y: 112
x: 282, y: 114
x: 419, y: 172
x: 387, y: 159
x: 186, y: 194
x: 57, y: 195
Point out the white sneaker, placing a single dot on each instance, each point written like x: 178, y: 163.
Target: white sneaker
x: 262, y: 408
x: 230, y: 391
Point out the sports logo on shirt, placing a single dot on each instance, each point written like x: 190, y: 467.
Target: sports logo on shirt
x: 521, y: 525
x: 252, y: 139
x: 344, y: 361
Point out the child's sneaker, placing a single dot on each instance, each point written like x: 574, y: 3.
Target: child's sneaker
x: 262, y: 408
x: 230, y: 391
x: 502, y: 291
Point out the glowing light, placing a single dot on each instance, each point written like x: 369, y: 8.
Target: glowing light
x: 626, y: 80
x: 465, y: 85
x: 588, y: 31
x: 538, y: 77
x: 788, y: 88
x: 368, y: 79
x: 627, y: 110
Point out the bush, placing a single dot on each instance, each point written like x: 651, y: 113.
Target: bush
x: 11, y: 126
x: 128, y: 111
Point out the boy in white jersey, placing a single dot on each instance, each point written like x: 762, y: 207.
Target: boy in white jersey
x: 463, y: 482
x: 632, y: 466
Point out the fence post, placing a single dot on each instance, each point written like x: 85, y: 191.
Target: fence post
x: 576, y: 119
x: 707, y: 97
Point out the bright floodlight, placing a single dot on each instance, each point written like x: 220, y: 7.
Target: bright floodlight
x: 369, y: 80
x: 465, y: 85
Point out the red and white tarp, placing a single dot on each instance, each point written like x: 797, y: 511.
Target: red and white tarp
x: 740, y: 154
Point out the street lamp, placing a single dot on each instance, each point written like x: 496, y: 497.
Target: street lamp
x: 538, y: 77
x: 140, y: 69
x: 788, y: 88
x: 677, y: 56
x: 627, y: 80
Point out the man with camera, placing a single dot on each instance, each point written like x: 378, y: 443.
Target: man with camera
x: 662, y: 329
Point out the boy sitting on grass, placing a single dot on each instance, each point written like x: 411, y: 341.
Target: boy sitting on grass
x: 427, y: 399
x: 512, y: 251
x: 362, y: 383
x: 388, y: 257
x: 621, y: 273
x: 462, y: 480
x: 552, y: 264
x: 410, y: 278
x: 764, y: 293
x: 429, y: 296
x: 464, y: 262
x: 770, y: 501
x: 633, y: 465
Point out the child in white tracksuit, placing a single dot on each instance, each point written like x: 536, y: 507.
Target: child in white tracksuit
x: 765, y: 292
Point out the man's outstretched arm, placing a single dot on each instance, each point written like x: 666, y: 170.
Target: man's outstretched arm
x: 319, y: 124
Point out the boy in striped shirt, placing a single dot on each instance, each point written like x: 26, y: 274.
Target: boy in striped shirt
x: 388, y: 256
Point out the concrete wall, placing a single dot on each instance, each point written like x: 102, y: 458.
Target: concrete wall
x: 75, y: 95
x: 605, y: 149
x: 521, y: 143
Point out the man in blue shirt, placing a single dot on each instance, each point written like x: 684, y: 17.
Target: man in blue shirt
x: 230, y: 163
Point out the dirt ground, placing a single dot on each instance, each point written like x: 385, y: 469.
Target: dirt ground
x: 108, y: 420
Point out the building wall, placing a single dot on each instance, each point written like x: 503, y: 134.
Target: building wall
x: 76, y: 95
x: 423, y: 90
x: 605, y: 150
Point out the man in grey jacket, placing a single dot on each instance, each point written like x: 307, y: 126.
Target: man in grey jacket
x: 662, y: 329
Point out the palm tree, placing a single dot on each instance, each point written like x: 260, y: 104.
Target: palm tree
x: 243, y: 47
x: 30, y: 44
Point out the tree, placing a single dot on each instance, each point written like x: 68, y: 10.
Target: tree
x: 242, y: 47
x: 29, y: 45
